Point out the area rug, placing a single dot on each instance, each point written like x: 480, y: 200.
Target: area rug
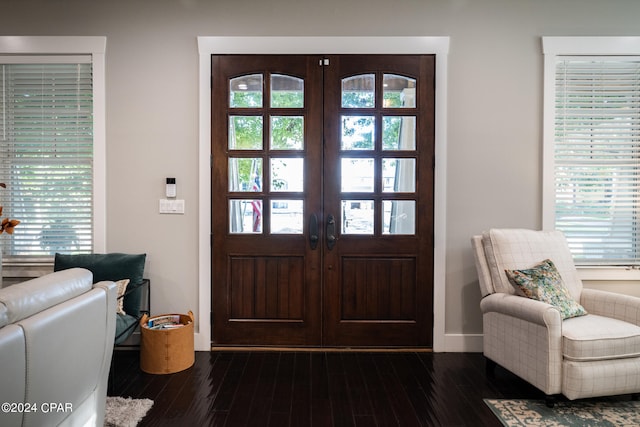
x: 518, y: 412
x: 125, y: 412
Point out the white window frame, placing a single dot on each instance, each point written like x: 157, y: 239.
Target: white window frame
x: 72, y: 45
x: 552, y: 48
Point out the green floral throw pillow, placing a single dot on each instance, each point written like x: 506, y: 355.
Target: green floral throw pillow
x: 544, y: 283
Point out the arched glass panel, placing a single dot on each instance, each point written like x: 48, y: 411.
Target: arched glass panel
x: 286, y: 91
x: 398, y: 91
x: 359, y: 91
x: 246, y: 91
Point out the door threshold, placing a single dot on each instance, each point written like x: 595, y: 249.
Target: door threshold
x: 326, y: 349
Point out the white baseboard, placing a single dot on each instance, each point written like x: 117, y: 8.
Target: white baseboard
x: 463, y: 343
x: 202, y: 342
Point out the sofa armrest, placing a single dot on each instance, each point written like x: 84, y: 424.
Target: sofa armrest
x: 522, y: 308
x: 611, y: 304
x: 33, y: 296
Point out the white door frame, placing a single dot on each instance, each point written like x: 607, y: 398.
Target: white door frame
x: 208, y: 46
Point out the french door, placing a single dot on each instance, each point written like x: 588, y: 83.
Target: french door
x: 322, y: 200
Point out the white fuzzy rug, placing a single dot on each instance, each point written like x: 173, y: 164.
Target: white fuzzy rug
x: 125, y: 412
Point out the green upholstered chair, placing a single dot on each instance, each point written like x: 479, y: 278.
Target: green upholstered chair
x: 115, y: 267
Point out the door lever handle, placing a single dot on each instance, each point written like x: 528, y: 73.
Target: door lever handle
x: 313, y: 231
x: 331, y: 232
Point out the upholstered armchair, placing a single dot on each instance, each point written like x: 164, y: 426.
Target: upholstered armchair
x: 580, y: 343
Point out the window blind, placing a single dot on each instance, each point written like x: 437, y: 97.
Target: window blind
x: 597, y: 158
x: 46, y: 133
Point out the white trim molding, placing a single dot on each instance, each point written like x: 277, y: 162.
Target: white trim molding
x: 552, y: 48
x: 464, y: 343
x: 208, y: 46
x: 613, y: 45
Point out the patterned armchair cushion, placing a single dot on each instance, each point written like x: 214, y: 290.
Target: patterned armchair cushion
x: 544, y: 283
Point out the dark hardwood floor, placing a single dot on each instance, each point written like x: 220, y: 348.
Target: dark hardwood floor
x: 282, y: 388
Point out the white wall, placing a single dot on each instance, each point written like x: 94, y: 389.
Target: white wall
x: 494, y: 110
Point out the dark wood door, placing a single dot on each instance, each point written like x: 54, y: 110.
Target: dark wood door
x: 379, y: 156
x: 267, y: 156
x: 322, y: 201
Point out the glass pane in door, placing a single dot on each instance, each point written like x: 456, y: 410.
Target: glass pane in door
x: 287, y: 216
x: 246, y: 91
x: 399, y: 175
x: 287, y: 133
x: 399, y: 133
x: 359, y: 91
x: 245, y: 132
x: 245, y: 174
x: 287, y: 174
x: 399, y: 216
x: 357, y: 217
x: 398, y: 91
x: 286, y: 91
x: 357, y: 175
x: 358, y: 133
x: 245, y: 216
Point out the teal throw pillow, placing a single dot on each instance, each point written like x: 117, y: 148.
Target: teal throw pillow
x: 112, y: 267
x: 544, y: 283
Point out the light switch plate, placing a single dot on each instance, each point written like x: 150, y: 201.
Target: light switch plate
x: 173, y: 206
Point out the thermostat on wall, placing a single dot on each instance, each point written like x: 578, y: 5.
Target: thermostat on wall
x: 171, y: 189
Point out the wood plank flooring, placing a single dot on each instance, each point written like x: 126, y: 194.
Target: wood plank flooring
x: 317, y: 388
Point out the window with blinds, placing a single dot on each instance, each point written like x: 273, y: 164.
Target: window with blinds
x: 597, y: 158
x: 46, y: 136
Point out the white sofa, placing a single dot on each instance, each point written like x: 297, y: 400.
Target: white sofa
x: 56, y: 343
x: 597, y: 354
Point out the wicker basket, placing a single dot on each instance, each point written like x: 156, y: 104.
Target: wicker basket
x: 165, y: 351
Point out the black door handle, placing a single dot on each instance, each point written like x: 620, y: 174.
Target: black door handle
x: 331, y: 232
x: 313, y: 231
